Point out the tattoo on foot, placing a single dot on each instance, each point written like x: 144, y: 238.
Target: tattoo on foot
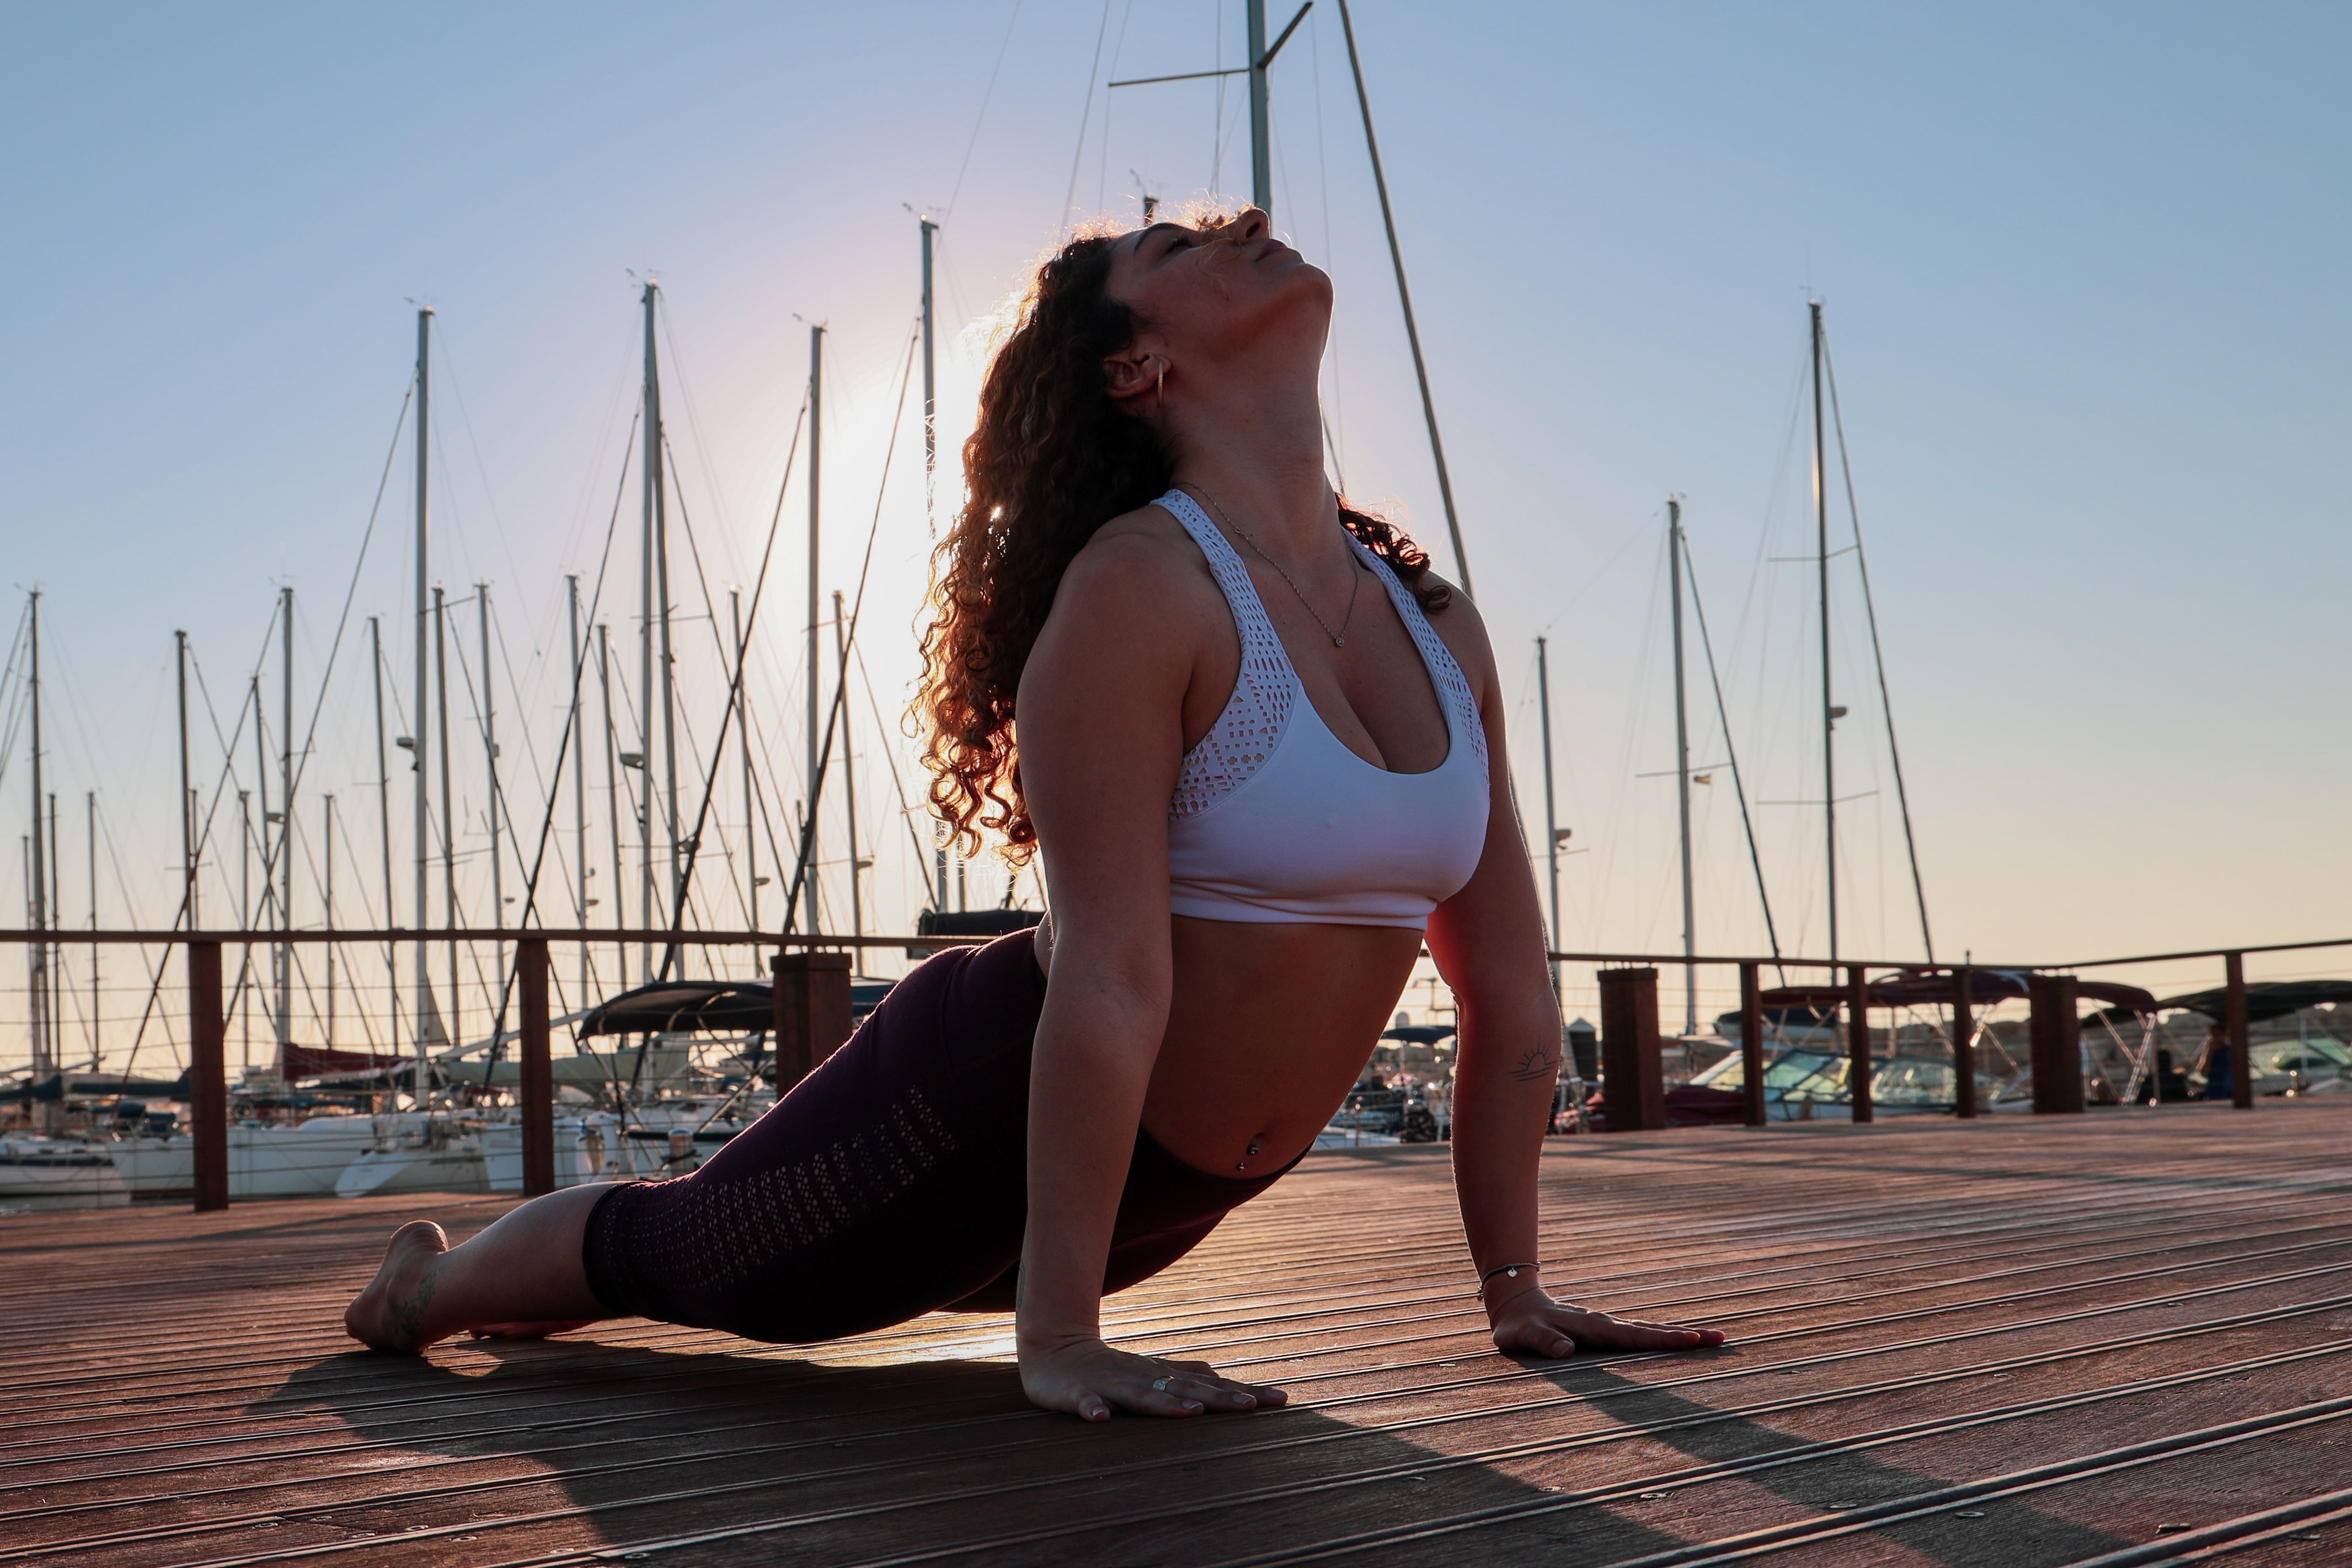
x: 408, y: 1317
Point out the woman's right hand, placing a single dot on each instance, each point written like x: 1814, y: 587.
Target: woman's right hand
x: 1088, y: 1379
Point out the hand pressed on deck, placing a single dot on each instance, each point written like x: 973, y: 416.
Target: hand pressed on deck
x: 1088, y: 1379
x: 1529, y: 1320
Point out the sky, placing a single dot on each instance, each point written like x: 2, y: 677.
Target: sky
x: 2081, y: 270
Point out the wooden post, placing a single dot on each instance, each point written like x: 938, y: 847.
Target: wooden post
x: 812, y: 1012
x: 1857, y: 1038
x: 207, y: 1092
x: 1633, y: 1084
x: 2057, y: 1033
x: 1964, y: 1042
x: 2242, y: 1051
x: 1751, y: 1044
x: 538, y: 1073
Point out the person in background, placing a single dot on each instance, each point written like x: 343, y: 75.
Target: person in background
x: 2221, y: 1082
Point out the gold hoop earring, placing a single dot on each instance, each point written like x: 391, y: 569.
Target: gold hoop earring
x: 1162, y: 391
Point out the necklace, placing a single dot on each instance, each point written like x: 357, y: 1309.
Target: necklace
x: 1355, y: 578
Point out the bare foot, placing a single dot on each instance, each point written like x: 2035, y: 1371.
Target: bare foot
x: 529, y: 1331
x: 390, y: 1313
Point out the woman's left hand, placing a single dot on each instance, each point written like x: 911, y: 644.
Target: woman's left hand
x: 1531, y: 1320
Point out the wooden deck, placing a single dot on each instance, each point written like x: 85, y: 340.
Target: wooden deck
x: 2119, y: 1338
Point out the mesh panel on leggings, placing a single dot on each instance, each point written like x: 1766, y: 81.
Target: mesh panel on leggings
x: 717, y: 1234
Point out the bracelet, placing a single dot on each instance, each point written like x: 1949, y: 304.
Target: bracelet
x: 1512, y: 1269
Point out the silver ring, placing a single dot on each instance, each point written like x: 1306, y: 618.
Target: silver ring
x: 1161, y: 1383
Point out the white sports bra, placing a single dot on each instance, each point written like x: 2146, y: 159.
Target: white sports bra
x: 1274, y: 819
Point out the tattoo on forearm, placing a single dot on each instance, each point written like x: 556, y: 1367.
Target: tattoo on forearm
x: 1541, y: 1061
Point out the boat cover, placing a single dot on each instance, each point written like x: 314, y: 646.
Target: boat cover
x: 318, y: 1061
x: 2265, y: 1000
x: 708, y: 1007
x: 58, y: 1085
x: 1925, y: 988
x: 686, y: 1007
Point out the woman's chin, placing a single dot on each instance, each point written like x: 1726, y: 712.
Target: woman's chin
x: 1301, y: 291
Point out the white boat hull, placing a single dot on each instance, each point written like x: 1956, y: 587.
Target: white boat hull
x: 587, y: 1149
x: 301, y: 1161
x: 443, y: 1160
x: 40, y: 1173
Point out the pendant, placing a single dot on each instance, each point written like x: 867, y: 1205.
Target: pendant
x: 1339, y: 642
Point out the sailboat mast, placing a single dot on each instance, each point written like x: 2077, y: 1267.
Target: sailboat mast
x: 930, y: 385
x: 243, y: 999
x: 815, y: 611
x: 743, y: 738
x: 282, y: 960
x: 676, y: 901
x: 1877, y: 652
x: 1829, y: 714
x: 490, y: 764
x: 931, y: 471
x: 93, y: 926
x: 259, y: 916
x: 1261, y: 139
x: 1730, y: 752
x: 450, y: 1022
x: 848, y: 761
x: 38, y: 998
x: 1404, y: 302
x: 417, y: 723
x: 1682, y: 766
x: 260, y: 912
x: 56, y: 949
x: 1551, y: 813
x: 579, y: 778
x: 188, y: 792
x: 613, y: 790
x: 384, y: 822
x: 328, y: 898
x: 648, y: 588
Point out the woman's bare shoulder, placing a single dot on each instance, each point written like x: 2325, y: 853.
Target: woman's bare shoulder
x: 1102, y: 693
x: 1139, y: 564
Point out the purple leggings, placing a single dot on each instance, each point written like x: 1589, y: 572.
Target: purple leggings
x: 890, y: 1182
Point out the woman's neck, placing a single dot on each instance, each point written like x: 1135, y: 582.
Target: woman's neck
x: 1258, y: 450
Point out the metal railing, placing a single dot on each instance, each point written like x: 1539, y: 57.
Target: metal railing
x: 1629, y: 1007
x: 813, y: 1017
x: 812, y: 1012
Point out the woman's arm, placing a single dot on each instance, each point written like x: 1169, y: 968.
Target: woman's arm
x: 1101, y: 739
x: 1488, y: 941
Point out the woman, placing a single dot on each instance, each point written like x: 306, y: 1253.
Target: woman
x: 1254, y: 744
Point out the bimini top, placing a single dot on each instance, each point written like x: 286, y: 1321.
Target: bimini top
x: 1274, y: 819
x: 1929, y: 988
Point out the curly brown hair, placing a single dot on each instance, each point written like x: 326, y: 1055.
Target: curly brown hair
x: 1050, y: 459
